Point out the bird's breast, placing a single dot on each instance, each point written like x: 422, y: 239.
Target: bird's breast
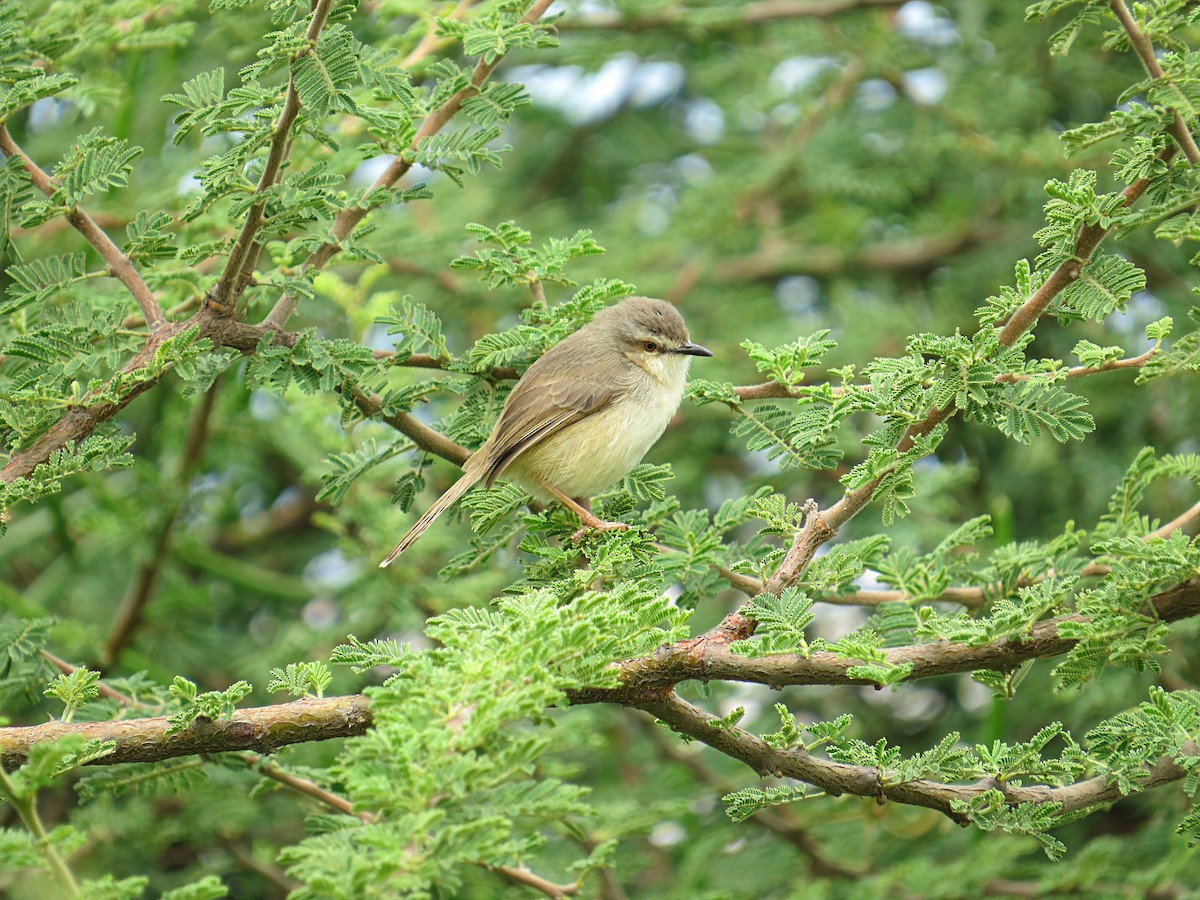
x: 596, y: 452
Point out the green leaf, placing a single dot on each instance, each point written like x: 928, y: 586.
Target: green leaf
x: 782, y: 620
x: 40, y: 279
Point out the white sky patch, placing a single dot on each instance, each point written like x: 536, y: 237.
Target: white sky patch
x: 924, y: 23
x: 925, y: 86
x: 798, y: 295
x: 584, y: 98
x: 875, y: 95
x: 667, y: 834
x: 654, y: 82
x: 370, y: 169
x: 797, y: 72
x: 330, y: 571
x: 704, y: 121
x: 693, y: 168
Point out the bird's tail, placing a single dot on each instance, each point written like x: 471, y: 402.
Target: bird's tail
x: 440, y: 505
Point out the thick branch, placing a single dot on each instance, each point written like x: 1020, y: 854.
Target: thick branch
x: 839, y: 778
x: 648, y: 687
x: 264, y: 730
x: 118, y: 263
x: 711, y: 660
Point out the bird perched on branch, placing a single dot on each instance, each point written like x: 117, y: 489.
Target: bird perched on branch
x: 585, y: 413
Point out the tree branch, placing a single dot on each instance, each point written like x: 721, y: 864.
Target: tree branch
x: 370, y: 405
x: 264, y: 730
x: 523, y: 876
x: 853, y: 501
x: 269, y: 727
x: 270, y: 769
x: 1112, y: 365
x: 118, y: 263
x: 773, y: 390
x: 80, y: 421
x: 1068, y: 271
x: 647, y: 684
x: 836, y: 778
x: 711, y: 660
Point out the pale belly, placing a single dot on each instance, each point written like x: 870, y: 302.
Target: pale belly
x: 589, y: 456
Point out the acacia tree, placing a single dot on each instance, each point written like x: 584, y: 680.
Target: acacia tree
x: 244, y: 326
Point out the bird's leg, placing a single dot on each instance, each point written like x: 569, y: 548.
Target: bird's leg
x: 590, y: 521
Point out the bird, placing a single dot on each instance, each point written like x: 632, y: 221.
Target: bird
x: 584, y: 413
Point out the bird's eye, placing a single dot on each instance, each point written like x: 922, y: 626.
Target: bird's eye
x: 649, y: 346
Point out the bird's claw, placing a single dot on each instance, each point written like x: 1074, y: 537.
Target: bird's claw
x: 597, y: 525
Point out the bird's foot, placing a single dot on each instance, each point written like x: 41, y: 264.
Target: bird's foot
x: 597, y: 525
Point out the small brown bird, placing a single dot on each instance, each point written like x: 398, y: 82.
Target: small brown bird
x: 585, y: 413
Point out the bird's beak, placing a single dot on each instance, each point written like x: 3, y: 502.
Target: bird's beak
x: 694, y: 349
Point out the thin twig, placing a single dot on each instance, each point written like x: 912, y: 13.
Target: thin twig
x: 370, y: 405
x: 1145, y: 51
x: 773, y: 390
x: 425, y: 361
x: 135, y: 320
x: 1112, y: 365
x: 521, y: 875
x: 804, y: 547
x: 265, y: 870
x: 1068, y: 271
x: 117, y: 262
x: 233, y: 278
x: 348, y: 218
x: 80, y: 421
x: 305, y: 786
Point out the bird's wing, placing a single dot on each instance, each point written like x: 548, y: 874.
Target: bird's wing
x: 557, y: 395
